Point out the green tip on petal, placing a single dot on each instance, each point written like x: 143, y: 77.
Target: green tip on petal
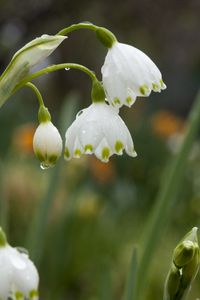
x: 144, y: 89
x: 67, y: 153
x: 119, y: 147
x: 46, y: 162
x: 88, y: 148
x: 105, y: 154
x: 3, y: 240
x: 33, y: 294
x: 19, y: 295
x: 116, y: 101
x: 155, y: 87
x: 77, y: 153
x: 129, y: 100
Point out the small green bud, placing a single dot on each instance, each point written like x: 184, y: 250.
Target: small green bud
x: 43, y: 114
x: 106, y: 37
x: 3, y: 240
x: 98, y: 93
x: 183, y: 253
x: 190, y: 270
x: 172, y: 283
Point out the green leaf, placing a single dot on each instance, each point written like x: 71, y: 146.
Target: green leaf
x: 129, y: 293
x: 23, y: 60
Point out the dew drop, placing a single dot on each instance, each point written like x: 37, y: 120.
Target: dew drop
x: 79, y: 113
x: 23, y: 250
x: 67, y: 69
x: 44, y: 166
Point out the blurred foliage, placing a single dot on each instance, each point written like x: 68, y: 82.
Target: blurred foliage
x: 99, y: 210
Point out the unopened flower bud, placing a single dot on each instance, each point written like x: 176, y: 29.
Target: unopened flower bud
x: 183, y: 253
x: 185, y: 265
x: 190, y: 270
x: 47, y: 142
x: 172, y: 283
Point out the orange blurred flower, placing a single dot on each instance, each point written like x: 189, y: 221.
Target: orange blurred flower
x: 23, y: 138
x: 165, y: 124
x: 102, y: 172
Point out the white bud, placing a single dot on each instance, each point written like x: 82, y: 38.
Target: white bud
x: 47, y: 144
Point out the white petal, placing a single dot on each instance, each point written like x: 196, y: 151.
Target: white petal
x: 5, y: 274
x: 26, y: 279
x: 78, y: 149
x: 100, y: 130
x: 127, y: 73
x: 47, y: 143
x: 103, y: 151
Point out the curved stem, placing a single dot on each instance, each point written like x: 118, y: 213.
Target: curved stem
x: 55, y: 68
x: 76, y: 27
x: 36, y: 91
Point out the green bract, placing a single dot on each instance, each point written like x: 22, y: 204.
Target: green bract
x: 24, y: 59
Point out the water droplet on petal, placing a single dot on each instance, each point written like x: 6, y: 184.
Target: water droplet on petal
x: 23, y: 250
x: 79, y: 113
x: 44, y: 166
x: 67, y: 69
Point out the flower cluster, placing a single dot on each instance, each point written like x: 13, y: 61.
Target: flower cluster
x: 127, y: 73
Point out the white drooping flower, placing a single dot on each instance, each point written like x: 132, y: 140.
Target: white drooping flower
x: 98, y: 129
x: 18, y: 274
x: 23, y: 60
x: 127, y: 73
x: 47, y: 144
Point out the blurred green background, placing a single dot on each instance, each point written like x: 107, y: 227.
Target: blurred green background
x: 97, y: 212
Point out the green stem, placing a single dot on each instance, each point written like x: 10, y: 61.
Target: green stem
x: 78, y: 26
x: 129, y: 292
x: 166, y: 199
x: 105, y: 36
x: 36, y: 91
x: 38, y: 228
x: 55, y: 68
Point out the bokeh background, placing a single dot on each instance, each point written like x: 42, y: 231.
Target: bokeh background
x: 95, y: 213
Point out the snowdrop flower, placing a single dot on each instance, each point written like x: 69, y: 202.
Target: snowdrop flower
x: 127, y: 73
x: 19, y: 276
x: 98, y: 129
x: 47, y: 142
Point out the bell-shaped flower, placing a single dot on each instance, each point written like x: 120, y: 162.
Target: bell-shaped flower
x: 98, y: 129
x: 19, y: 276
x: 127, y: 73
x: 24, y: 59
x: 47, y: 144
